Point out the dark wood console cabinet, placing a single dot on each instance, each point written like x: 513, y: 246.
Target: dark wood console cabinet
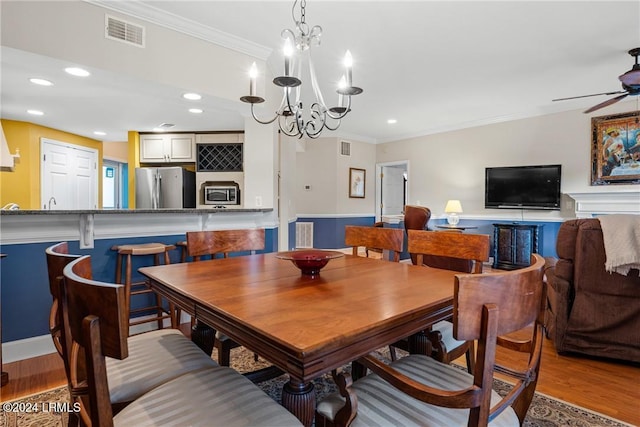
x: 513, y: 245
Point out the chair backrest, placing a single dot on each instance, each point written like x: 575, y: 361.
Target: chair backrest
x: 95, y: 316
x: 416, y: 218
x: 472, y: 247
x: 390, y: 239
x: 486, y: 306
x: 200, y: 243
x: 57, y: 258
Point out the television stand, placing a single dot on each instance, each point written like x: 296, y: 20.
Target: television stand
x: 513, y: 245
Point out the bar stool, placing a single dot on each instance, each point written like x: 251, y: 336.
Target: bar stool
x: 183, y: 250
x: 126, y: 252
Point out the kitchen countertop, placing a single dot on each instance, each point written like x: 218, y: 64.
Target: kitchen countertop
x: 129, y: 211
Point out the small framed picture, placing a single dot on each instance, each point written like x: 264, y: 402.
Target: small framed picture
x: 615, y: 149
x: 357, y: 179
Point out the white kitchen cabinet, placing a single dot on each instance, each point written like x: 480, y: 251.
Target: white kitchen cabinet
x: 220, y: 138
x: 168, y: 148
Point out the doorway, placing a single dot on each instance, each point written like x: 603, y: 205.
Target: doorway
x: 68, y: 176
x: 113, y: 177
x: 392, y: 189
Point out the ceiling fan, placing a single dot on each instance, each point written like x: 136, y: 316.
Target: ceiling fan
x: 630, y: 83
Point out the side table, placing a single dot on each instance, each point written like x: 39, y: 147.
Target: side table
x: 457, y: 227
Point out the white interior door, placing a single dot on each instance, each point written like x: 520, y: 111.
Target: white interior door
x: 393, y: 189
x: 69, y: 176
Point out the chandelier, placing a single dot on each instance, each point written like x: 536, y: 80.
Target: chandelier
x: 292, y: 118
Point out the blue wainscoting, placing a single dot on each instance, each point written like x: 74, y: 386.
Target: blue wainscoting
x: 328, y: 233
x: 25, y: 296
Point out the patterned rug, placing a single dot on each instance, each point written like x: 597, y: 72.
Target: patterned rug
x: 545, y: 411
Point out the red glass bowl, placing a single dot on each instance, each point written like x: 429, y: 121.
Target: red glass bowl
x: 310, y: 261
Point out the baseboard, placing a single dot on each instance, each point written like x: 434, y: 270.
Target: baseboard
x: 28, y: 348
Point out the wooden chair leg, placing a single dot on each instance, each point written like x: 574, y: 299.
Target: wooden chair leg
x: 392, y: 352
x: 159, y: 311
x: 224, y: 353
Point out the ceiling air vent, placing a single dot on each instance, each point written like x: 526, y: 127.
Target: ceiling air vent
x: 345, y: 148
x: 117, y: 29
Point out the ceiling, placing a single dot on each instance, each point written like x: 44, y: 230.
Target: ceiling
x: 433, y: 66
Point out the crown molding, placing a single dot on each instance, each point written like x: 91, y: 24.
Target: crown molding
x: 186, y: 26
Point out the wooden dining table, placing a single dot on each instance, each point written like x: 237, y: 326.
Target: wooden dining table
x: 308, y: 326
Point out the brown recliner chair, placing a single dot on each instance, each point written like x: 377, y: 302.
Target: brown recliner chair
x: 590, y: 310
x: 416, y: 218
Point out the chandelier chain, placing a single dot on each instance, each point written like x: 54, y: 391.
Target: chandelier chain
x: 317, y: 116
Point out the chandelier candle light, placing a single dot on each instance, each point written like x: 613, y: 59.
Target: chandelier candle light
x: 291, y: 114
x: 453, y: 208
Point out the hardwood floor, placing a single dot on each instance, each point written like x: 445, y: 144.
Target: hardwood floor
x: 611, y: 388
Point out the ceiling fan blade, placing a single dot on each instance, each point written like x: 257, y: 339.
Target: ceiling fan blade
x: 587, y: 96
x: 606, y: 103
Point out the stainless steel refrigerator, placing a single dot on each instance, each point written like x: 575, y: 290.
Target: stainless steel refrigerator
x: 165, y: 187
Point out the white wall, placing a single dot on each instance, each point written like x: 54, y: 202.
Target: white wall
x: 316, y: 167
x: 260, y: 144
x: 363, y: 156
x: 322, y: 167
x: 286, y: 188
x: 451, y: 165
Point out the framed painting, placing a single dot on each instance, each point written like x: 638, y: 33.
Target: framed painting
x: 615, y: 149
x: 357, y: 179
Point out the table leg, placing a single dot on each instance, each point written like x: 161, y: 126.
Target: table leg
x: 203, y: 336
x: 300, y: 399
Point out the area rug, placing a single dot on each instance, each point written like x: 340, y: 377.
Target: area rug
x: 545, y: 411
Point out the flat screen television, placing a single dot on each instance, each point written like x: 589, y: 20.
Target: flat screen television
x: 523, y: 187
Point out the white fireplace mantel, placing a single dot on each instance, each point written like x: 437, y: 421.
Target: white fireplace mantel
x: 602, y: 203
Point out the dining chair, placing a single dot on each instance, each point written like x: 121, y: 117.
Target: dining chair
x: 96, y: 319
x: 418, y: 390
x: 390, y: 239
x: 225, y: 242
x: 376, y: 250
x: 469, y: 248
x: 452, y: 251
x: 156, y: 357
x: 417, y: 218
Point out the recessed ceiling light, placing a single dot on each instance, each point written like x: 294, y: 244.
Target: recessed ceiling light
x: 192, y: 96
x: 392, y: 121
x: 35, y: 112
x: 41, y: 82
x: 99, y: 132
x: 195, y: 110
x: 78, y: 72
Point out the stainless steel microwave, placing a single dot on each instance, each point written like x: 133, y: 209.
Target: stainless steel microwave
x: 221, y: 195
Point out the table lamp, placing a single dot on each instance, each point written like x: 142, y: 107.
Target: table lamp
x: 453, y: 208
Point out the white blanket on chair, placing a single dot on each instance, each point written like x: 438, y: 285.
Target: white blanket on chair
x: 621, y: 234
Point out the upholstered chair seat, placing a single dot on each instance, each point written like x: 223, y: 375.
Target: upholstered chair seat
x: 155, y: 358
x: 218, y: 396
x: 380, y: 404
